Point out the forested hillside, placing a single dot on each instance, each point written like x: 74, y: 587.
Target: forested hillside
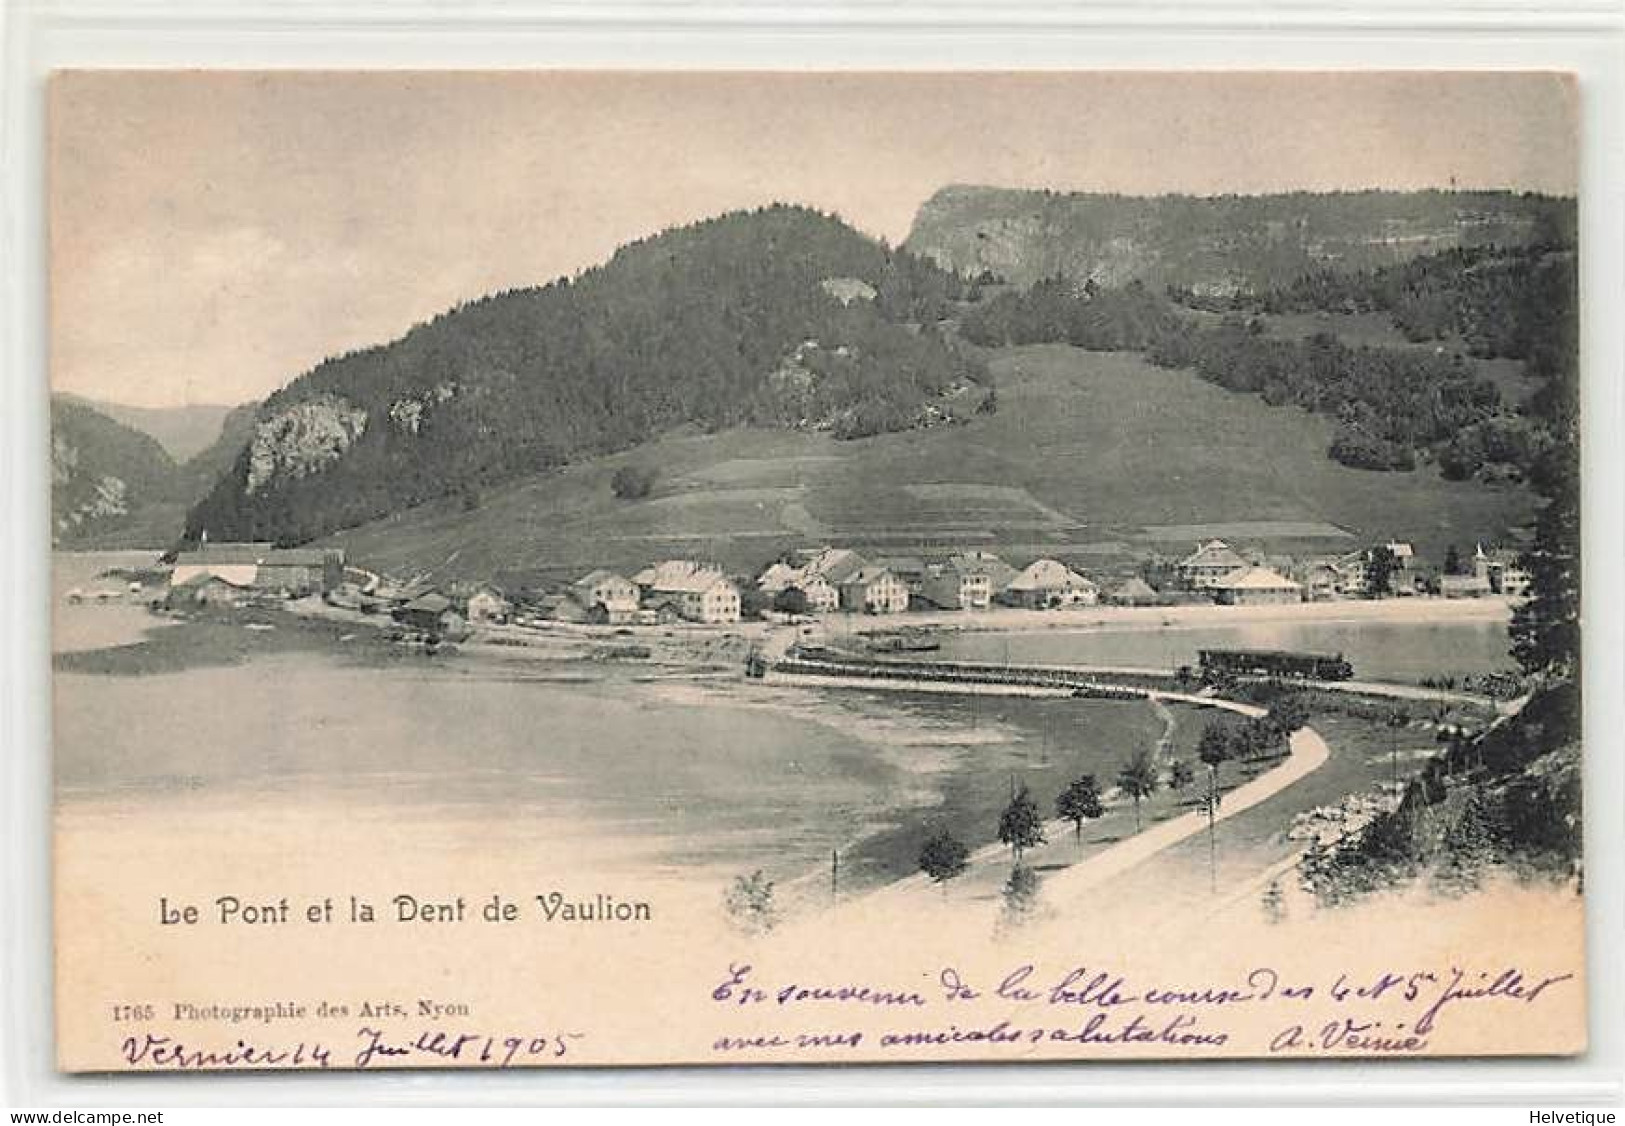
x: 105, y: 477
x: 1510, y: 800
x: 1395, y: 406
x: 780, y: 316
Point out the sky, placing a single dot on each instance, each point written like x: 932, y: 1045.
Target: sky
x: 214, y: 235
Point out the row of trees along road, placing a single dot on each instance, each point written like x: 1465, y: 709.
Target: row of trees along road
x: 944, y: 857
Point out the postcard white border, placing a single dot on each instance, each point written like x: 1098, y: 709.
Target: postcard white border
x: 1587, y: 38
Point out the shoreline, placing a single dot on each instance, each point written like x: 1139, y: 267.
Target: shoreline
x: 693, y: 652
x: 1127, y: 619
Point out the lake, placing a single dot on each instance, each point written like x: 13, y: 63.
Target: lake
x: 602, y: 768
x: 605, y: 768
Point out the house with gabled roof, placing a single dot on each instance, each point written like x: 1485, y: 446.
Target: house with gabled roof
x: 777, y: 576
x: 1503, y: 570
x: 834, y: 564
x: 910, y: 568
x: 874, y: 590
x: 1255, y: 586
x: 949, y: 586
x: 1322, y: 579
x: 292, y: 571
x: 816, y: 572
x: 204, y: 589
x: 701, y: 592
x: 432, y: 612
x: 616, y: 596
x: 1048, y: 584
x: 487, y: 604
x: 976, y: 561
x: 1210, y: 562
x: 823, y: 596
x: 1463, y: 586
x: 1133, y: 591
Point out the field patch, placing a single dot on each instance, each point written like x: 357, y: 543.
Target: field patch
x: 994, y: 498
x: 1245, y: 530
x: 764, y: 472
x: 701, y: 498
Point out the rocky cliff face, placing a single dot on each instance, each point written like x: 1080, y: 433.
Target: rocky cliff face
x: 302, y: 439
x: 104, y: 476
x: 1218, y: 245
x: 83, y: 499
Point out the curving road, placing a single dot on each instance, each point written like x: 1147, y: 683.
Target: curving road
x: 1307, y: 752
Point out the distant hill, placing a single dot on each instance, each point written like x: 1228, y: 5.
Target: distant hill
x: 1220, y: 245
x: 111, y: 485
x: 781, y: 317
x: 182, y: 431
x: 114, y: 485
x: 204, y: 468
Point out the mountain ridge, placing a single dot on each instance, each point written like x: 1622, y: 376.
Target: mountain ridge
x: 1218, y: 244
x: 183, y: 431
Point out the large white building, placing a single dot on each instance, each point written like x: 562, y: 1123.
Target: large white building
x: 1210, y: 562
x: 701, y: 593
x: 1255, y: 586
x: 1049, y: 583
x: 874, y: 590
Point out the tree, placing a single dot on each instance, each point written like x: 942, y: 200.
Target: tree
x: 1180, y: 776
x: 1020, y: 895
x: 1452, y: 560
x: 1020, y: 825
x: 1468, y: 846
x: 633, y: 482
x: 1079, y: 802
x: 1138, y: 779
x: 943, y: 856
x: 1214, y: 748
x: 1545, y: 628
x: 749, y: 903
x: 1288, y: 713
x: 752, y: 600
x: 792, y: 600
x: 1380, y: 566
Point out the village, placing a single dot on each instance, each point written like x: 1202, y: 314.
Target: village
x: 823, y: 581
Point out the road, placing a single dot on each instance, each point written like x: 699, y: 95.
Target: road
x: 1071, y: 886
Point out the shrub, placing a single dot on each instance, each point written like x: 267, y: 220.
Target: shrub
x: 633, y: 482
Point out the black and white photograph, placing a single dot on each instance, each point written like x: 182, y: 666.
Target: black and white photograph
x: 570, y: 568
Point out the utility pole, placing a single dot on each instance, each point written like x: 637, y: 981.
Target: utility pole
x: 1212, y: 847
x: 834, y: 875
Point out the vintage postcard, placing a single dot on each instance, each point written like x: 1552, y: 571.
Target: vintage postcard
x: 562, y: 569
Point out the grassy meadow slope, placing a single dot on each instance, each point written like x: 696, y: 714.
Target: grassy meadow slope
x: 1091, y: 457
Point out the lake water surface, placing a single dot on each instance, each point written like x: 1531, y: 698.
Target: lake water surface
x: 1393, y: 651
x: 608, y: 769
x: 611, y: 768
